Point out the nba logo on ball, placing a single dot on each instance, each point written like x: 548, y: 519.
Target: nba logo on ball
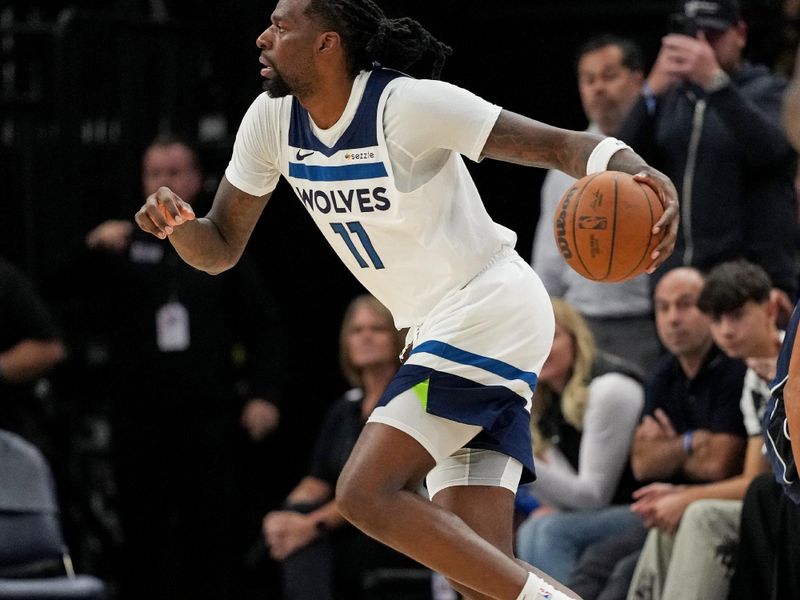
x: 592, y: 222
x: 603, y: 226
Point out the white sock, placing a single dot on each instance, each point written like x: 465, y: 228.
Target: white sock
x: 537, y: 588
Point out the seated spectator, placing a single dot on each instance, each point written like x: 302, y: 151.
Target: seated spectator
x: 694, y: 388
x: 694, y: 529
x: 30, y: 347
x: 322, y: 555
x: 586, y: 407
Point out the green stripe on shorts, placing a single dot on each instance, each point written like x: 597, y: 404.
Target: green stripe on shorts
x: 421, y: 390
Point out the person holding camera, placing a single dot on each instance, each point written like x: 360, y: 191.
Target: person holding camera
x: 711, y: 121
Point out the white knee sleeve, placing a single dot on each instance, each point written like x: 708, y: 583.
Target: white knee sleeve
x: 474, y: 466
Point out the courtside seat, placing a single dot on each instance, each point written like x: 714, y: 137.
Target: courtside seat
x: 34, y: 560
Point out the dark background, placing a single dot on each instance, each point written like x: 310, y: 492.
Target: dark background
x: 85, y: 86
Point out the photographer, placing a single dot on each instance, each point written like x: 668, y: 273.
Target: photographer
x: 711, y: 121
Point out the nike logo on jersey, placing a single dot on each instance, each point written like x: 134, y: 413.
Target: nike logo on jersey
x: 300, y: 155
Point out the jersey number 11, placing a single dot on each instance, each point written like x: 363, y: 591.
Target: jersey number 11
x: 358, y: 229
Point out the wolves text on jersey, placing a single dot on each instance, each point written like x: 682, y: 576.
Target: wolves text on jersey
x: 344, y: 201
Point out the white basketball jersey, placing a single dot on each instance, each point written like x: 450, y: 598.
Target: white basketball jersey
x: 409, y: 249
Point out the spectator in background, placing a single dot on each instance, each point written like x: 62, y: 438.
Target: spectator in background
x: 30, y: 347
x: 620, y: 315
x: 711, y: 121
x: 322, y: 555
x: 691, y: 430
x: 197, y: 360
x: 694, y: 528
x: 585, y: 410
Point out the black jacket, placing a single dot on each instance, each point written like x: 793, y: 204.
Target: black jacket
x: 734, y: 179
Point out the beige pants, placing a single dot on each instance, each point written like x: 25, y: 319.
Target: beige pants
x: 695, y: 564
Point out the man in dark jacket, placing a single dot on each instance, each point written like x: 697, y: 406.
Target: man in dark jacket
x: 711, y: 121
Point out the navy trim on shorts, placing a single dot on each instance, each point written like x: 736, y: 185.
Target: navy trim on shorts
x: 498, y: 367
x: 499, y: 411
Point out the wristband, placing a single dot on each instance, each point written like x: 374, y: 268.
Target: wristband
x: 687, y: 442
x: 602, y: 153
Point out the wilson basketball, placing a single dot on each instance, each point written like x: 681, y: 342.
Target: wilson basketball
x: 603, y: 226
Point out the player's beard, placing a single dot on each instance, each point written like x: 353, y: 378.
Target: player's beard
x: 297, y: 84
x: 277, y: 86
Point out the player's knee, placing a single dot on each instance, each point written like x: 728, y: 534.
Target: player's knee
x: 353, y: 499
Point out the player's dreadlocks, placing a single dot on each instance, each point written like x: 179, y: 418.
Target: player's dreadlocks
x: 368, y: 36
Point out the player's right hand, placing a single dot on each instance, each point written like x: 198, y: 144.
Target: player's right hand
x: 162, y: 212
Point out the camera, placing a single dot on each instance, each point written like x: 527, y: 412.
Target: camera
x: 680, y: 23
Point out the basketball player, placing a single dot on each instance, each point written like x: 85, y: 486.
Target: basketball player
x: 374, y: 157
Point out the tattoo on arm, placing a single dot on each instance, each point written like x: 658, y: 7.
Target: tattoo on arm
x: 523, y: 141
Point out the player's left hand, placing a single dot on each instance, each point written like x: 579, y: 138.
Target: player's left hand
x: 667, y: 225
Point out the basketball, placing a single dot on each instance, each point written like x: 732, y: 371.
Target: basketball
x: 603, y: 226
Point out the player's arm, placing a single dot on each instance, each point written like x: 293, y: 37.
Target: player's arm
x: 791, y: 399
x: 213, y: 243
x: 524, y: 141
x: 521, y: 140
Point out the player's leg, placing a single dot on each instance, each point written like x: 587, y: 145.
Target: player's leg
x: 474, y: 361
x: 487, y: 509
x: 376, y: 493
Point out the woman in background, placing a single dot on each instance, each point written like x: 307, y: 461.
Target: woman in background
x: 585, y: 410
x: 322, y: 556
